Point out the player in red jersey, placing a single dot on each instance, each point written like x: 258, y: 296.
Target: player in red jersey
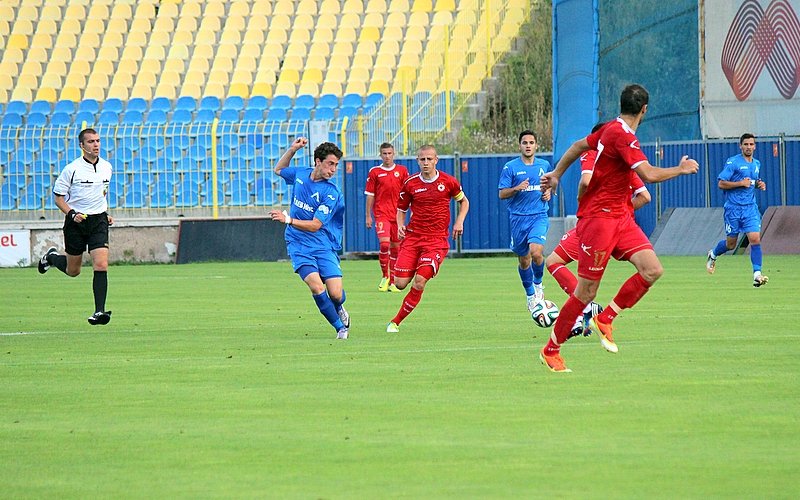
x: 383, y: 190
x: 568, y: 248
x: 605, y: 222
x: 425, y: 240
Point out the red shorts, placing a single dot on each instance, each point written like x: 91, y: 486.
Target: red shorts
x: 601, y: 238
x: 387, y: 228
x: 568, y: 247
x: 417, y: 252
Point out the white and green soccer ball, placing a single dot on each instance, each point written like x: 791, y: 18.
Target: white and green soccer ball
x: 544, y: 313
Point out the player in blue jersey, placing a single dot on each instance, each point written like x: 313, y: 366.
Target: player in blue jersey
x: 527, y: 212
x: 739, y: 179
x: 314, y: 228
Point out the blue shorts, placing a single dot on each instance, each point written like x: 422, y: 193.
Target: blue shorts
x: 325, y: 262
x: 527, y: 229
x: 742, y: 219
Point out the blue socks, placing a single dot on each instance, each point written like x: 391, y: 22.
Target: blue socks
x: 526, y: 275
x: 755, y: 257
x: 338, y: 303
x: 538, y: 272
x: 720, y: 248
x: 326, y: 307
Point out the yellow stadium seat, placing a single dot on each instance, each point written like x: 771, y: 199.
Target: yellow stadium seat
x: 378, y: 87
x: 308, y: 88
x: 313, y: 75
x: 145, y: 79
x: 353, y: 7
x: 319, y: 49
x: 356, y: 87
x: 75, y: 11
x: 376, y: 6
x: 289, y: 75
x: 50, y: 80
x: 79, y: 68
x: 149, y: 66
x: 165, y: 89
x: 329, y: 7
x: 231, y: 37
x: 47, y: 27
x: 41, y: 40
x: 203, y: 51
x: 467, y: 5
x: 239, y: 8
x: 277, y: 35
x: 56, y: 68
x: 242, y: 76
x: 392, y: 33
x: 122, y: 79
x: 17, y: 41
x: 176, y: 65
x: 239, y: 90
x: 121, y: 11
x: 316, y: 61
x: 190, y: 89
x: 7, y: 11
x: 178, y: 51
x: 416, y: 33
x: 373, y: 20
x: 445, y: 5
x: 164, y: 25
x: 246, y: 62
x: 27, y: 81
x: 345, y: 34
x: 140, y: 25
x: 98, y: 11
x: 142, y: 91
x: 167, y: 9
x: 195, y: 76
x: 155, y: 53
x: 112, y: 39
x: 396, y: 19
x: 131, y: 54
x: 190, y: 10
x: 367, y: 47
x: 408, y: 59
x: 336, y: 74
x: 98, y: 80
x: 385, y: 61
x: 186, y: 26
x: 300, y: 33
x: 38, y: 55
x: 3, y: 95
x: 334, y: 88
x: 223, y: 63
x: 257, y: 22
x: 422, y: 6
x: 286, y: 88
x: 105, y: 67
x: 136, y: 39
x: 471, y: 85
x: 362, y: 61
x: 70, y: 94
x: 46, y: 94
x: 261, y: 89
x: 169, y: 77
x: 359, y: 74
x: 266, y: 76
x: 385, y: 73
x: 370, y: 33
x: 296, y: 49
x: 159, y: 39
x: 69, y: 26
x: 269, y: 61
x: 442, y: 18
x: 201, y: 66
x: 6, y: 83
x: 22, y: 27
x: 108, y: 53
x: 261, y: 8
x: 14, y: 55
x: 426, y: 85
x: 220, y: 77
x: 349, y: 20
x: 89, y: 40
x: 254, y: 36
x: 209, y: 26
x: 22, y: 94
x: 283, y: 7
x: 322, y: 34
x: 342, y: 48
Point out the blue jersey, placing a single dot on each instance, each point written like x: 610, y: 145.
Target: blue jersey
x: 528, y: 202
x: 736, y: 169
x: 314, y: 199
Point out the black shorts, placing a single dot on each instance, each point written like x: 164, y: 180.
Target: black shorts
x: 91, y: 233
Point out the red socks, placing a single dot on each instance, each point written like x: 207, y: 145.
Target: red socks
x: 571, y: 309
x: 392, y: 261
x: 566, y: 280
x: 383, y: 258
x: 628, y: 295
x: 409, y: 303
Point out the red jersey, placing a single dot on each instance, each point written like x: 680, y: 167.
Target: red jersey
x: 385, y: 184
x: 588, y: 160
x: 430, y: 204
x: 618, y: 153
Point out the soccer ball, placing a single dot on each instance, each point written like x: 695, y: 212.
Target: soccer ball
x: 544, y: 313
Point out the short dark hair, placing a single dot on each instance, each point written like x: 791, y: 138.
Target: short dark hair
x: 386, y: 145
x: 527, y: 132
x: 327, y: 148
x: 598, y: 127
x: 744, y: 136
x: 633, y: 99
x: 84, y: 132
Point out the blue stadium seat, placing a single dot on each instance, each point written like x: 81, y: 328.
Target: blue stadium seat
x: 31, y: 201
x: 281, y: 102
x: 124, y: 154
x: 186, y: 164
x: 205, y: 116
x: 131, y: 142
x: 25, y: 155
x: 229, y: 115
x: 240, y: 193
x: 263, y: 192
x: 61, y: 119
x: 148, y: 154
x: 210, y: 102
x: 224, y: 153
x: 276, y: 115
x: 88, y: 117
x: 273, y: 151
x: 181, y: 141
x: 50, y: 156
x: 233, y: 102
x: 245, y: 175
x: 204, y: 139
x: 255, y: 139
x: 188, y: 195
x: 108, y: 117
x: 253, y: 115
x: 324, y: 114
x: 197, y: 152
x: 161, y: 104
x: 17, y: 108
x: 42, y: 107
x: 374, y: 99
x: 182, y: 116
x: 132, y: 117
x: 328, y: 101
x: 113, y: 104
x: 136, y: 104
x: 348, y: 111
x: 173, y: 153
x: 90, y: 105
x: 116, y: 188
x: 11, y: 120
x: 247, y: 151
x: 137, y: 166
x: 154, y: 141
x: 258, y: 102
x: 304, y: 101
x: 163, y: 194
x: 170, y: 177
x: 186, y: 103
x: 301, y: 114
x: 7, y: 145
x: 134, y: 198
x: 352, y: 100
x: 40, y: 167
x: 7, y: 202
x: 57, y: 144
x: 208, y: 189
x: 156, y: 117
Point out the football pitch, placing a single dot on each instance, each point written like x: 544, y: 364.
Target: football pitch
x: 223, y: 380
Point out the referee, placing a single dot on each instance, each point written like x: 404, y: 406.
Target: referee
x: 80, y: 193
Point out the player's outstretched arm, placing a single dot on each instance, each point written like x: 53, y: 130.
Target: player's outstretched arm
x: 311, y: 226
x: 651, y: 174
x: 298, y: 144
x: 550, y: 179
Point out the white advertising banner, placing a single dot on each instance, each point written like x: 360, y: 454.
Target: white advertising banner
x: 751, y: 67
x: 15, y: 248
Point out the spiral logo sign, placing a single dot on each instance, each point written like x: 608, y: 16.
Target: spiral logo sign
x: 759, y: 39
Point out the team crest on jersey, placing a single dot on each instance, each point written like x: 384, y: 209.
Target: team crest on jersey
x: 324, y: 209
x: 440, y: 187
x: 397, y: 174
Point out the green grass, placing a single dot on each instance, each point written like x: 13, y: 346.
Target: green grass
x: 222, y: 380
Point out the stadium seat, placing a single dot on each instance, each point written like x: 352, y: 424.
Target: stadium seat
x: 263, y: 191
x: 301, y: 114
x: 156, y: 117
x: 36, y: 120
x: 240, y: 193
x: 187, y: 194
x: 84, y: 117
x: 276, y: 115
x: 60, y: 119
x: 31, y: 201
x: 187, y: 103
x: 253, y: 115
x: 352, y: 100
x: 233, y: 103
x: 211, y: 103
x: 324, y: 114
x: 229, y: 115
x: 161, y: 104
x: 208, y: 189
x: 304, y: 101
